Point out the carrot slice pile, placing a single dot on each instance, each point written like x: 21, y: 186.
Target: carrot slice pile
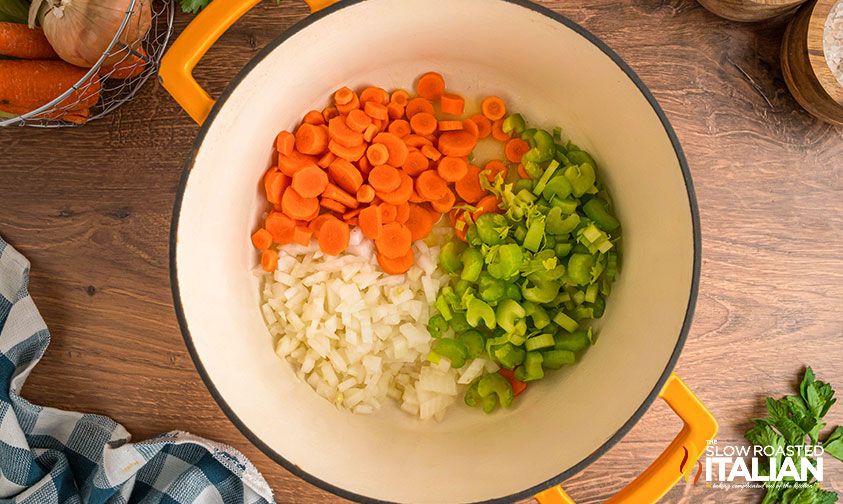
x: 386, y: 163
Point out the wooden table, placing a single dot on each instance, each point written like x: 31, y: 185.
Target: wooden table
x: 90, y: 207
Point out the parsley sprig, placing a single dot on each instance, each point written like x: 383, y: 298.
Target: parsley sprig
x: 790, y: 420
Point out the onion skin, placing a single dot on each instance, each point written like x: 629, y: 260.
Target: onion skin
x: 81, y: 30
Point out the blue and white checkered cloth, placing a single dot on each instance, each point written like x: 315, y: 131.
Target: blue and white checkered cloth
x: 51, y: 456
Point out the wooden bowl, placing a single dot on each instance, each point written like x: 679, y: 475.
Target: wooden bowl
x: 805, y: 68
x: 750, y: 10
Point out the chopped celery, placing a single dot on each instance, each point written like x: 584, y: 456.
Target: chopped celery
x: 591, y: 293
x: 555, y: 359
x: 535, y: 233
x: 565, y: 322
x: 572, y: 341
x: 453, y: 349
x: 436, y: 325
x: 474, y: 342
x: 538, y: 342
x: 514, y: 125
x: 542, y: 182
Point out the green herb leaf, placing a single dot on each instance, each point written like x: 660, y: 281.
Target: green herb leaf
x: 834, y: 443
x: 194, y: 6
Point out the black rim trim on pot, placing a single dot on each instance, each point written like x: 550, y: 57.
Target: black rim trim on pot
x: 529, y: 492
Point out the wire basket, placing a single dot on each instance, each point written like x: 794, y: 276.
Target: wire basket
x: 139, y: 65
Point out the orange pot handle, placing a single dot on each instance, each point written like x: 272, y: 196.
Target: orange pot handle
x: 651, y: 485
x: 177, y: 65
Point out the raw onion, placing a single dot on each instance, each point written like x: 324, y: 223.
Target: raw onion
x: 80, y: 31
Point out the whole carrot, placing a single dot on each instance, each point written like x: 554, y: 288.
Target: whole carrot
x: 21, y: 41
x: 29, y: 84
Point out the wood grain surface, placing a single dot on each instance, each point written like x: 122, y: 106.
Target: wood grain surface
x: 90, y: 207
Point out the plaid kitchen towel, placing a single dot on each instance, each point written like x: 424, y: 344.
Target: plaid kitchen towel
x: 52, y: 456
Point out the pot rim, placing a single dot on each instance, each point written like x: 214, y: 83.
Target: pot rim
x: 531, y: 491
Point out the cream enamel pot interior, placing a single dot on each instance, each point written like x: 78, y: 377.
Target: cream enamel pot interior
x: 553, y: 72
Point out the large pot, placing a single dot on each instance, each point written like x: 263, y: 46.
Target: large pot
x: 553, y: 72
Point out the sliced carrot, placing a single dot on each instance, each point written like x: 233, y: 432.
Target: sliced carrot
x: 348, y: 153
x: 370, y: 221
x: 397, y: 266
x: 365, y: 194
x: 309, y: 182
x: 329, y: 113
x: 314, y: 117
x: 487, y: 204
x: 494, y: 167
x: 315, y: 224
x: 433, y: 213
x: 371, y: 131
x: 452, y: 104
x: 388, y: 212
x: 301, y: 235
x: 402, y: 212
x: 298, y: 207
x: 414, y: 197
x: 364, y: 166
x: 348, y: 107
x: 332, y: 205
x: 335, y: 193
x: 484, y: 125
x: 397, y: 148
x: 311, y: 139
x: 326, y: 160
x: 459, y: 223
x: 261, y: 239
x: 395, y: 240
x: 377, y: 154
x: 468, y: 188
x: 493, y: 108
x: 340, y: 132
x: 498, y: 132
x: 395, y: 111
x: 515, y: 148
x: 450, y: 125
x: 290, y: 165
x: 417, y: 105
x: 375, y: 94
x: 351, y: 214
x: 333, y: 236
x: 457, y: 143
x: 384, y: 178
x: 275, y: 183
x: 444, y: 204
x: 312, y: 216
x: 522, y: 172
x: 416, y: 163
x: 345, y: 175
x: 269, y: 260
x: 399, y: 128
x: 431, y: 152
x: 285, y: 142
x: 277, y: 224
x: 517, y: 386
x: 452, y: 168
x: 471, y: 127
x: 400, y: 97
x: 416, y: 141
x: 423, y: 123
x: 376, y: 110
x: 430, y: 86
x: 358, y: 121
x: 419, y: 222
x: 430, y: 186
x: 402, y: 193
x: 343, y: 96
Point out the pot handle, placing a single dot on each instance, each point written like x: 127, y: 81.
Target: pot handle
x: 175, y: 72
x: 676, y: 461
